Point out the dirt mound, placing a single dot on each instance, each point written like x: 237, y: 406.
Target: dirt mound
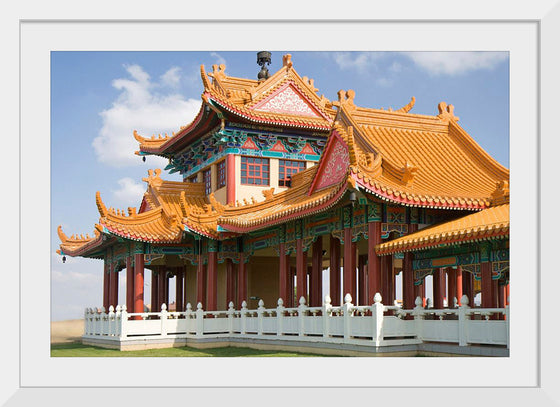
x: 67, y: 331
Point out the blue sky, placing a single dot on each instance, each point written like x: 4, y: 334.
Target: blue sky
x: 99, y: 98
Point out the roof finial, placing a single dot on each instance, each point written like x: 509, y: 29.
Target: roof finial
x: 263, y: 58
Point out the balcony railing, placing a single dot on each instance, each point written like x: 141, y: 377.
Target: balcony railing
x: 374, y: 325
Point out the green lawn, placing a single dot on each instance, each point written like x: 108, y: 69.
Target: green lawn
x: 79, y: 350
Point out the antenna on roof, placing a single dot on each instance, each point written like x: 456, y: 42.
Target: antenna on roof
x: 263, y: 58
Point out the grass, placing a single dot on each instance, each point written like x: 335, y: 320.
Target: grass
x: 76, y: 349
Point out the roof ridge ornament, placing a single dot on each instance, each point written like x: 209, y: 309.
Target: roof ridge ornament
x: 154, y: 179
x: 409, y: 106
x: 446, y: 112
x: 100, y: 205
x: 287, y: 61
x: 501, y: 193
x: 268, y: 193
x: 218, y: 207
x: 218, y: 71
x: 409, y: 171
x: 345, y: 99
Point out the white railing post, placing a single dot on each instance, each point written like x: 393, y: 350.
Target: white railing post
x: 92, y: 315
x: 118, y: 316
x: 244, y: 317
x: 507, y: 323
x: 163, y: 320
x: 124, y: 322
x: 463, y: 318
x: 301, y: 316
x: 104, y: 322
x: 418, y: 314
x: 280, y: 317
x: 348, y: 313
x: 199, y: 320
x: 111, y: 320
x: 326, y: 315
x: 377, y: 318
x: 230, y: 314
x: 188, y: 317
x: 260, y: 316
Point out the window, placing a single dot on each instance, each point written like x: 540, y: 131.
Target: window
x: 255, y: 171
x: 193, y: 178
x: 207, y: 177
x: 221, y: 174
x: 286, y: 168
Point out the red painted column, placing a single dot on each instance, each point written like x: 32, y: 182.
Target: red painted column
x: 212, y: 281
x: 419, y: 291
x: 301, y: 272
x: 179, y: 275
x: 241, y: 280
x: 507, y: 294
x: 166, y: 288
x: 349, y: 268
x: 283, y: 274
x: 154, y: 291
x: 388, y: 281
x: 354, y: 266
x: 106, y: 278
x: 316, y: 279
x: 361, y: 281
x: 114, y: 287
x: 495, y: 293
x: 291, y: 288
x: 468, y: 287
x: 459, y: 274
x: 408, y: 282
x: 451, y: 286
x: 201, y: 282
x: 129, y: 285
x: 230, y: 179
x: 138, y: 283
x: 162, y: 282
x: 439, y: 287
x: 111, y: 283
x: 374, y: 261
x: 334, y: 272
x: 230, y: 282
x: 486, y: 285
x: 185, y: 287
x: 385, y: 265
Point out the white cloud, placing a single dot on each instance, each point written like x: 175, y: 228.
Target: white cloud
x: 219, y: 59
x: 130, y: 192
x: 140, y: 107
x: 455, y: 63
x: 172, y: 77
x: 360, y: 61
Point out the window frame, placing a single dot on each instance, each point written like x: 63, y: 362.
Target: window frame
x: 207, y: 183
x: 251, y: 166
x: 284, y: 179
x: 221, y: 178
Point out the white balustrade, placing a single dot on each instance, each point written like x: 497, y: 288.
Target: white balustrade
x: 367, y: 325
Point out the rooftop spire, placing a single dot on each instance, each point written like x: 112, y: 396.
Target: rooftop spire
x: 263, y: 58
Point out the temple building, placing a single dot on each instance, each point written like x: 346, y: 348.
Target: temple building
x: 281, y: 183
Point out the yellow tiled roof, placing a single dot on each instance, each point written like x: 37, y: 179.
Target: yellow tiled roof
x: 488, y: 223
x: 419, y: 160
x: 76, y: 245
